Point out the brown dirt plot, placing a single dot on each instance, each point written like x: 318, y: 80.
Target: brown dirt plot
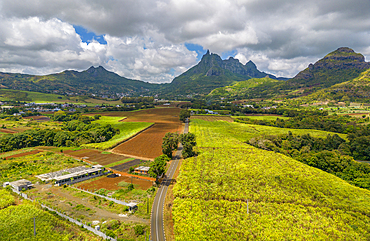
x: 96, y: 156
x: 23, y: 154
x: 8, y: 131
x: 112, y: 183
x: 148, y: 144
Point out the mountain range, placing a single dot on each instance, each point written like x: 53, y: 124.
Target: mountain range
x: 213, y: 72
x: 340, y: 66
x: 337, y: 73
x: 95, y: 80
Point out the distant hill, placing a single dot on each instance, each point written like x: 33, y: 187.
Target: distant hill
x: 213, y: 72
x: 248, y: 89
x: 95, y: 80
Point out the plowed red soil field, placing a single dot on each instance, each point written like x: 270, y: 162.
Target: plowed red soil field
x: 23, y: 154
x: 112, y: 183
x: 96, y: 156
x: 148, y: 144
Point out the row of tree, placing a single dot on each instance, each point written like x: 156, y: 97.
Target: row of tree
x: 82, y: 134
x: 171, y: 142
x: 169, y: 145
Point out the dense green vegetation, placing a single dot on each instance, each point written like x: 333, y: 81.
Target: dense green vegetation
x: 17, y: 95
x: 334, y: 123
x: 331, y: 154
x: 77, y: 130
x: 6, y: 199
x: 233, y: 191
x: 358, y: 129
x: 74, y: 133
x: 248, y: 89
x: 158, y: 166
x: 188, y: 142
x: 184, y: 114
x: 170, y: 143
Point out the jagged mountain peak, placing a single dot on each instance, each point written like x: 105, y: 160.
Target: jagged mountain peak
x: 213, y: 72
x: 93, y: 69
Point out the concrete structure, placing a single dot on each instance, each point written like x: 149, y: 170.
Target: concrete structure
x: 79, y: 176
x: 142, y: 170
x: 19, y: 185
x: 73, y: 175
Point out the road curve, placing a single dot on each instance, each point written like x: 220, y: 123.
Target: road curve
x: 156, y: 222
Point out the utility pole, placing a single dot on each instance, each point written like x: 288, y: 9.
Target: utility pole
x: 247, y: 206
x: 34, y: 227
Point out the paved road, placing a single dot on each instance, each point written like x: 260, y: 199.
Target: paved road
x: 157, y: 230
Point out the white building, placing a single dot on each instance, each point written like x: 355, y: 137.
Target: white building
x: 19, y: 185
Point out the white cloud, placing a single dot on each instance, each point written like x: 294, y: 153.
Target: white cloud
x: 140, y: 58
x: 39, y: 47
x: 145, y: 39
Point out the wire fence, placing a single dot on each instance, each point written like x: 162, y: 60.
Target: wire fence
x: 27, y: 227
x: 130, y: 205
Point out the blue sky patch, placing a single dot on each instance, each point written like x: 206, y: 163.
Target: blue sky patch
x: 227, y: 54
x: 197, y: 48
x: 88, y: 37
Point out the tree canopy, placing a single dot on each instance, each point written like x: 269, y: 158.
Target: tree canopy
x: 158, y: 166
x: 170, y: 143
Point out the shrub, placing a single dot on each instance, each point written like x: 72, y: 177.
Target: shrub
x: 139, y: 229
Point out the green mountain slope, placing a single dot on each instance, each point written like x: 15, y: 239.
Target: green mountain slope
x: 213, y: 72
x: 251, y: 88
x: 233, y: 191
x: 91, y: 81
x: 338, y: 66
x: 357, y: 89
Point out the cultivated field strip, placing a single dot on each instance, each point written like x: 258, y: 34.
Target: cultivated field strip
x: 212, y: 118
x: 125, y: 166
x: 96, y: 156
x: 147, y: 144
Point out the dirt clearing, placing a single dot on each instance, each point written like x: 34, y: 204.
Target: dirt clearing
x: 112, y: 183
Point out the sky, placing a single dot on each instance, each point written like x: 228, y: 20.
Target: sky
x: 157, y: 40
